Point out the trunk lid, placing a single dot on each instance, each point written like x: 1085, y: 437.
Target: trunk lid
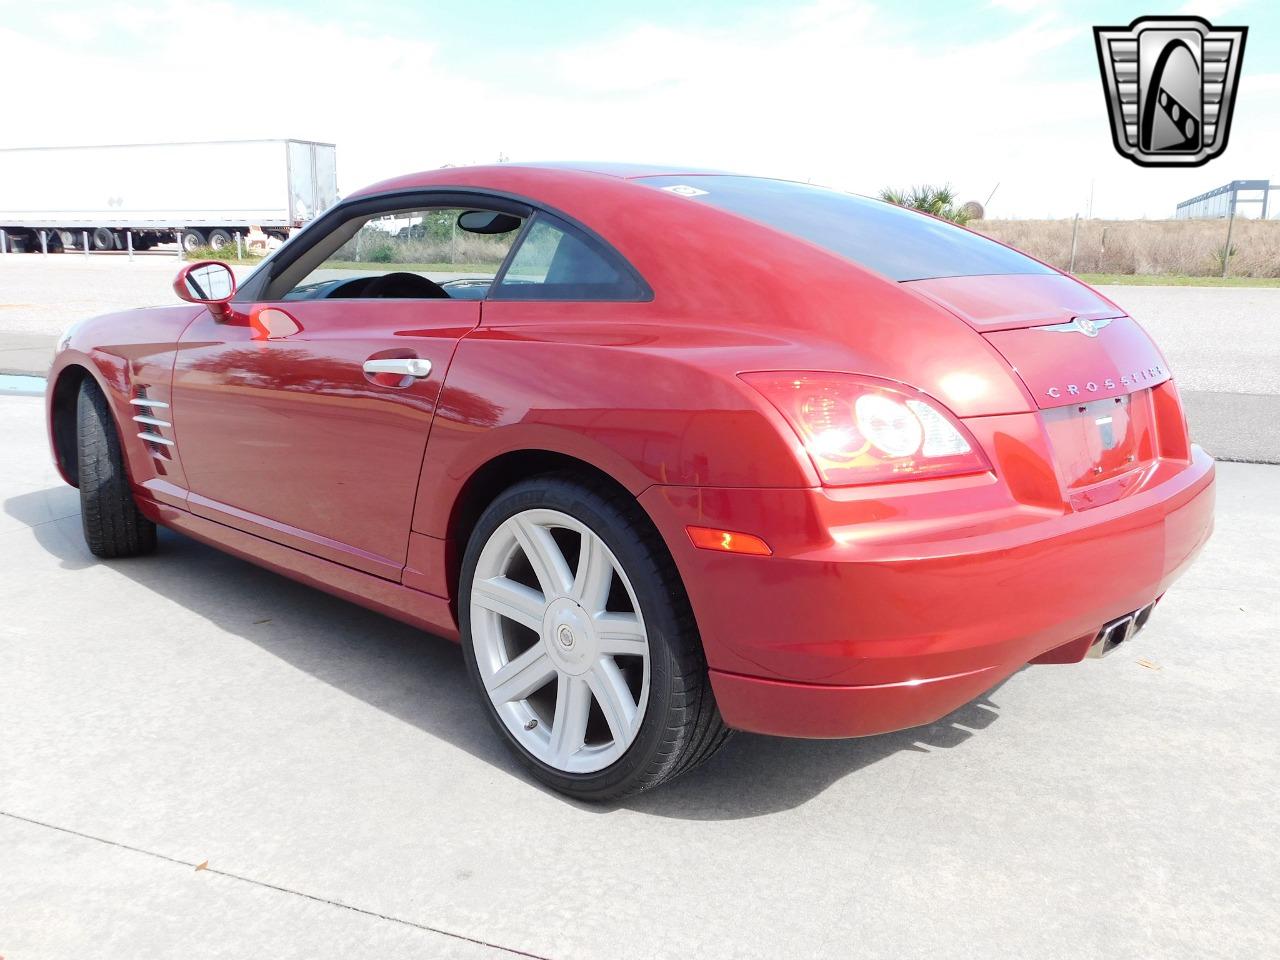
x: 1090, y: 369
x: 1010, y: 301
x: 1066, y: 342
x: 1081, y: 360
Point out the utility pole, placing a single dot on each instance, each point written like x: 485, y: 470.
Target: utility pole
x: 1231, y: 222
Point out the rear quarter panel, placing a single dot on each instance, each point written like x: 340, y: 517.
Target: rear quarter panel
x: 612, y: 385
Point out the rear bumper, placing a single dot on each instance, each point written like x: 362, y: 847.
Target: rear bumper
x: 821, y: 711
x: 875, y: 614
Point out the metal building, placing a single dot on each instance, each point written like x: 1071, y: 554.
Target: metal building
x: 1246, y: 198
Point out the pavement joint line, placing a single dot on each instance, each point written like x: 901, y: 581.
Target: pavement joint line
x: 272, y: 886
x: 45, y: 523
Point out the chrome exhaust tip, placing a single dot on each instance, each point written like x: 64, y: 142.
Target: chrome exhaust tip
x: 1118, y: 631
x: 1142, y: 616
x: 1111, y: 636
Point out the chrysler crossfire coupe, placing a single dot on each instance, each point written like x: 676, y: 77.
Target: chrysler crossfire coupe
x: 669, y: 453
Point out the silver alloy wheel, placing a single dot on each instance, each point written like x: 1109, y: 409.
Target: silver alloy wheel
x: 560, y: 641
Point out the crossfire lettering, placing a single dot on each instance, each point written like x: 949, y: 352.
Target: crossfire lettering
x: 1109, y: 383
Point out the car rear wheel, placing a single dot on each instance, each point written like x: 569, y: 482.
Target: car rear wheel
x: 579, y: 638
x: 113, y: 525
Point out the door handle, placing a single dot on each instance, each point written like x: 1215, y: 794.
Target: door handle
x: 411, y: 367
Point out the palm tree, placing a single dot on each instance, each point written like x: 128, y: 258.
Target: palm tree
x: 939, y: 201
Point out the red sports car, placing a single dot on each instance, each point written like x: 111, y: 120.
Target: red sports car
x: 670, y: 453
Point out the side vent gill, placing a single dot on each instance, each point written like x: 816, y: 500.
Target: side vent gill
x: 150, y: 418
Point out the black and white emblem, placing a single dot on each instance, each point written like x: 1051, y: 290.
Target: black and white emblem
x: 1170, y: 84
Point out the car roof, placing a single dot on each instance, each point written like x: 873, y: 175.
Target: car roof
x: 624, y: 170
x: 503, y: 175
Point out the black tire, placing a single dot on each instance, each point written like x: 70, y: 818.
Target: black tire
x: 191, y: 239
x: 113, y: 525
x: 219, y: 239
x: 102, y: 239
x: 682, y: 726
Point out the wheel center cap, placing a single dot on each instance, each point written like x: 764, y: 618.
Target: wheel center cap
x: 569, y: 636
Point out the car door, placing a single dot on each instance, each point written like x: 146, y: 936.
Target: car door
x: 303, y: 417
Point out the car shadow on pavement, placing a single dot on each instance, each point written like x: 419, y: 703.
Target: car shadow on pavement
x: 422, y: 679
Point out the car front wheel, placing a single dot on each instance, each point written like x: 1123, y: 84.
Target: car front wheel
x: 580, y: 640
x: 113, y: 525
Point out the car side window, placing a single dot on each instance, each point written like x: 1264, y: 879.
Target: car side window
x: 554, y: 261
x: 408, y: 254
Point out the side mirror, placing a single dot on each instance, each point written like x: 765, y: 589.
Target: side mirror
x: 209, y: 282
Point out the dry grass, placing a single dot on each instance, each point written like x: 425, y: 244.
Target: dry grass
x: 1191, y: 248
x: 375, y: 246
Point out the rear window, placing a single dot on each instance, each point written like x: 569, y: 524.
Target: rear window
x: 899, y: 243
x: 556, y: 262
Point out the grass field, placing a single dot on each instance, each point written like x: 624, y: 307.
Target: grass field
x: 1159, y: 280
x: 487, y: 269
x: 1175, y: 251
x: 226, y: 255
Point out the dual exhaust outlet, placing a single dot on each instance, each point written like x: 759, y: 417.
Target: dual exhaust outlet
x: 1118, y: 631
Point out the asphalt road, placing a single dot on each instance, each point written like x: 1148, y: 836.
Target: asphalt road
x: 334, y: 771
x: 1223, y: 344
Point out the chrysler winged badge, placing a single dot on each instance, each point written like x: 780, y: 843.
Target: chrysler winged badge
x: 1083, y: 325
x: 1170, y: 84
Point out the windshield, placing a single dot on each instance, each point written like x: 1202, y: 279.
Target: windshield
x: 901, y: 244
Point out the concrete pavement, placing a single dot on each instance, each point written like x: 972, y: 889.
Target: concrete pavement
x: 42, y: 296
x: 336, y: 773
x: 70, y: 895
x: 1223, y: 345
x: 26, y: 353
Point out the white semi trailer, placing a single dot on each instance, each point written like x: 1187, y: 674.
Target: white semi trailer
x: 59, y: 198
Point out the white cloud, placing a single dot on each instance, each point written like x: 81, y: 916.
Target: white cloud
x: 837, y: 92
x: 1212, y: 10
x: 215, y: 70
x: 1021, y: 6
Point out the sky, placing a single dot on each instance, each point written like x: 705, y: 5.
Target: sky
x: 1001, y: 99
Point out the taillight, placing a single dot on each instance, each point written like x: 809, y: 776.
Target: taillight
x: 861, y: 430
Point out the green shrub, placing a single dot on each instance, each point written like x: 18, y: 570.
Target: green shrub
x: 939, y: 201
x: 1222, y: 256
x: 226, y: 253
x: 380, y: 253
